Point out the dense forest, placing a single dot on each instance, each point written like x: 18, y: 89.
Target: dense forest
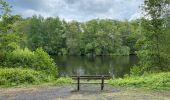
x: 148, y: 38
x: 94, y: 37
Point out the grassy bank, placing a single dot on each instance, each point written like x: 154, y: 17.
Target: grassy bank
x: 12, y: 77
x: 151, y: 81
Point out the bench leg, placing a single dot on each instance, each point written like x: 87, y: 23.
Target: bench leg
x: 102, y: 84
x: 78, y: 83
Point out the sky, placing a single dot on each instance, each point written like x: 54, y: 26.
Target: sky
x: 80, y: 10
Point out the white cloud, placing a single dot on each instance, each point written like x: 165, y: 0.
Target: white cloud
x: 80, y: 10
x: 29, y: 12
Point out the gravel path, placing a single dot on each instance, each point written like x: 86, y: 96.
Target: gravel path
x: 91, y: 92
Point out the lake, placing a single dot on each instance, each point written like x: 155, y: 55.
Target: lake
x: 100, y: 65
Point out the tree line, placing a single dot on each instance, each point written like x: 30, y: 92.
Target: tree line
x: 94, y: 37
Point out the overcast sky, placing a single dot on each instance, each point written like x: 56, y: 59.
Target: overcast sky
x: 81, y: 10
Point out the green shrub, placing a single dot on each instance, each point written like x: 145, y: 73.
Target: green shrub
x: 37, y: 60
x: 9, y: 42
x: 43, y: 62
x: 135, y: 70
x: 63, y: 81
x: 18, y: 76
x: 123, y: 50
x: 20, y: 58
x: 153, y: 81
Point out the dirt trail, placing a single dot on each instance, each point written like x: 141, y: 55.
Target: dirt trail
x: 86, y: 93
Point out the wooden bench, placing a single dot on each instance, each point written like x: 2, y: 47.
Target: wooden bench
x: 90, y: 77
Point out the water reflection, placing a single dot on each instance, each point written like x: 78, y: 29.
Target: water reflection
x: 106, y: 65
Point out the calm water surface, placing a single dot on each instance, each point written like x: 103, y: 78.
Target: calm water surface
x: 106, y: 65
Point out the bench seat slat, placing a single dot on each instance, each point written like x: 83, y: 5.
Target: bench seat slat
x: 90, y: 78
x: 88, y: 83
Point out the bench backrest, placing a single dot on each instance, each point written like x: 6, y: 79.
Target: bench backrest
x: 95, y: 77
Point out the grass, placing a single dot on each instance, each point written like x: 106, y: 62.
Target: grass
x: 151, y: 81
x: 14, y: 77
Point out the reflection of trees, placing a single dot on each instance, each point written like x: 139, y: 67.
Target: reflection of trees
x: 116, y: 65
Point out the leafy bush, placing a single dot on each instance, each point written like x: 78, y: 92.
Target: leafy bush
x: 37, y: 60
x: 20, y: 58
x: 9, y: 42
x: 136, y: 70
x: 123, y: 50
x: 153, y: 81
x: 43, y: 62
x: 63, y: 81
x: 18, y: 76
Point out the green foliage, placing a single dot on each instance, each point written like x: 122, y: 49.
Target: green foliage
x: 46, y: 33
x: 19, y: 76
x: 8, y: 43
x: 37, y: 60
x: 5, y: 8
x: 135, y: 70
x: 152, y: 81
x: 152, y: 45
x: 63, y: 81
x: 94, y: 37
x: 124, y: 50
x: 12, y: 54
x: 20, y: 57
x: 43, y: 62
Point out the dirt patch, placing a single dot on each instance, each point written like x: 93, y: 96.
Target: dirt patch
x: 91, y: 92
x: 18, y: 90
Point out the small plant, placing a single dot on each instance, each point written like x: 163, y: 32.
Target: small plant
x: 63, y: 81
x: 135, y: 70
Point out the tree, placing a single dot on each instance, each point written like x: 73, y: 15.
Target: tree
x: 151, y: 53
x: 5, y: 17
